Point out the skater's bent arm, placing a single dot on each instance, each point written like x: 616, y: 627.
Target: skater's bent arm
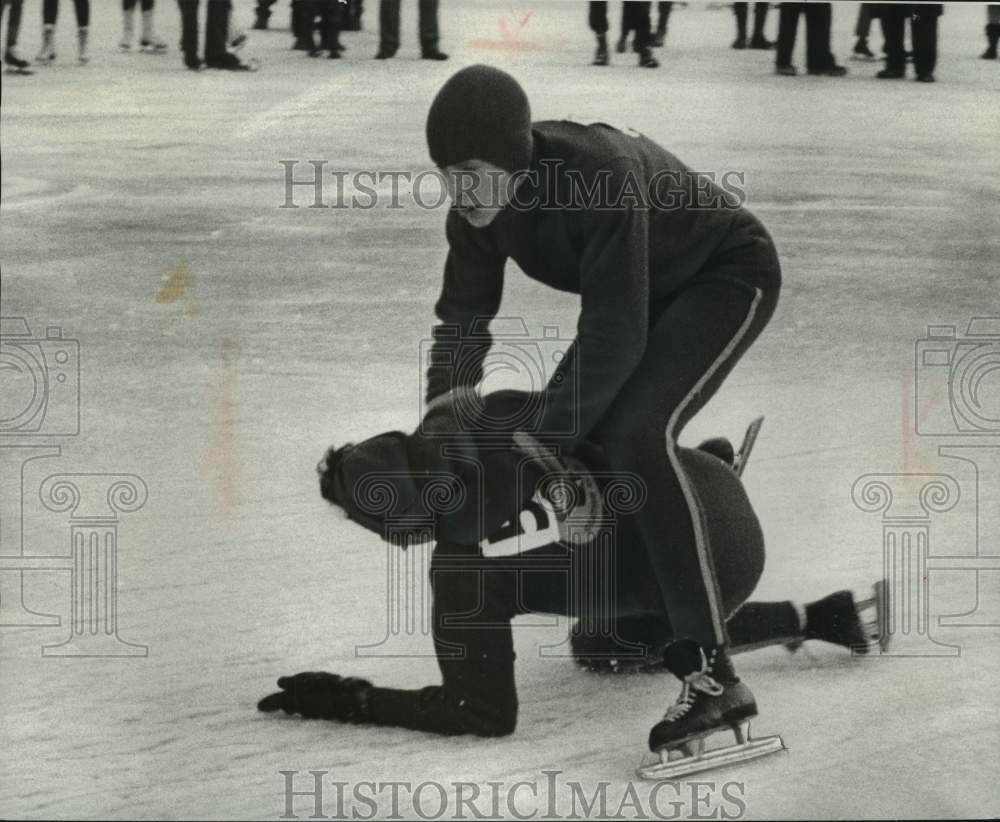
x: 613, y: 324
x: 470, y: 297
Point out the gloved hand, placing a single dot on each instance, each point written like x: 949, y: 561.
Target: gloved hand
x: 329, y: 479
x: 319, y: 695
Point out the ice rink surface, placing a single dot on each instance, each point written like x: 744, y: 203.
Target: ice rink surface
x: 224, y: 342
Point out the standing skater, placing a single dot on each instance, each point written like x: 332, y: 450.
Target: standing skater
x: 11, y: 56
x: 50, y: 12
x: 671, y: 296
x: 148, y: 41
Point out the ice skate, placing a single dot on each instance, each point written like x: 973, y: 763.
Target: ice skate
x: 647, y: 60
x: 154, y: 45
x: 712, y: 699
x: 858, y: 626
x: 15, y: 63
x: 47, y: 54
x: 723, y: 449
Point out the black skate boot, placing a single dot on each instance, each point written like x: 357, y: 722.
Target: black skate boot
x: 712, y: 699
x: 601, y: 55
x: 838, y: 619
x: 15, y: 63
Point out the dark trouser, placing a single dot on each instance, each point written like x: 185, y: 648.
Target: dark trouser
x: 324, y: 14
x: 923, y: 32
x: 864, y: 24
x: 635, y: 17
x: 663, y: 20
x: 388, y: 15
x: 216, y: 29
x: 818, y: 16
x: 597, y: 16
x: 50, y: 11
x: 759, y: 19
x: 128, y: 5
x: 692, y: 346
x: 13, y: 20
x: 263, y: 10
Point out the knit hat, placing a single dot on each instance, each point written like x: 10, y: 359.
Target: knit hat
x: 480, y: 113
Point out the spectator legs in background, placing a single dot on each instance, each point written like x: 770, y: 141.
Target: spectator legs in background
x: 758, y: 40
x: 12, y: 58
x: 263, y: 14
x: 430, y: 36
x: 893, y: 21
x: 189, y: 33
x: 662, y: 21
x: 788, y: 23
x: 923, y: 33
x: 597, y: 19
x: 862, y: 30
x: 992, y: 31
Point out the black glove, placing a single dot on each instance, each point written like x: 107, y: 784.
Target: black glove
x: 319, y: 695
x: 330, y: 486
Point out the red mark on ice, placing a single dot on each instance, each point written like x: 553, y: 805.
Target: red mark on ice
x: 511, y: 28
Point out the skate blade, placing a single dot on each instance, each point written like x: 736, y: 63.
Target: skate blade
x: 874, y: 615
x: 692, y: 758
x: 746, y: 447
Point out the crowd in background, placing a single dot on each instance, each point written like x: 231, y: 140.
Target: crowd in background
x: 316, y: 27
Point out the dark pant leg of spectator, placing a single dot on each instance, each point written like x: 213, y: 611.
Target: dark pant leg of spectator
x: 923, y: 31
x: 217, y: 31
x: 759, y: 19
x: 740, y: 12
x: 636, y: 13
x: 13, y: 22
x: 597, y: 16
x: 788, y: 22
x: 82, y: 13
x: 818, y: 54
x: 663, y: 16
x: 263, y: 10
x: 50, y: 12
x: 893, y: 21
x: 863, y: 27
x: 427, y: 11
x: 189, y: 29
x: 388, y: 23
